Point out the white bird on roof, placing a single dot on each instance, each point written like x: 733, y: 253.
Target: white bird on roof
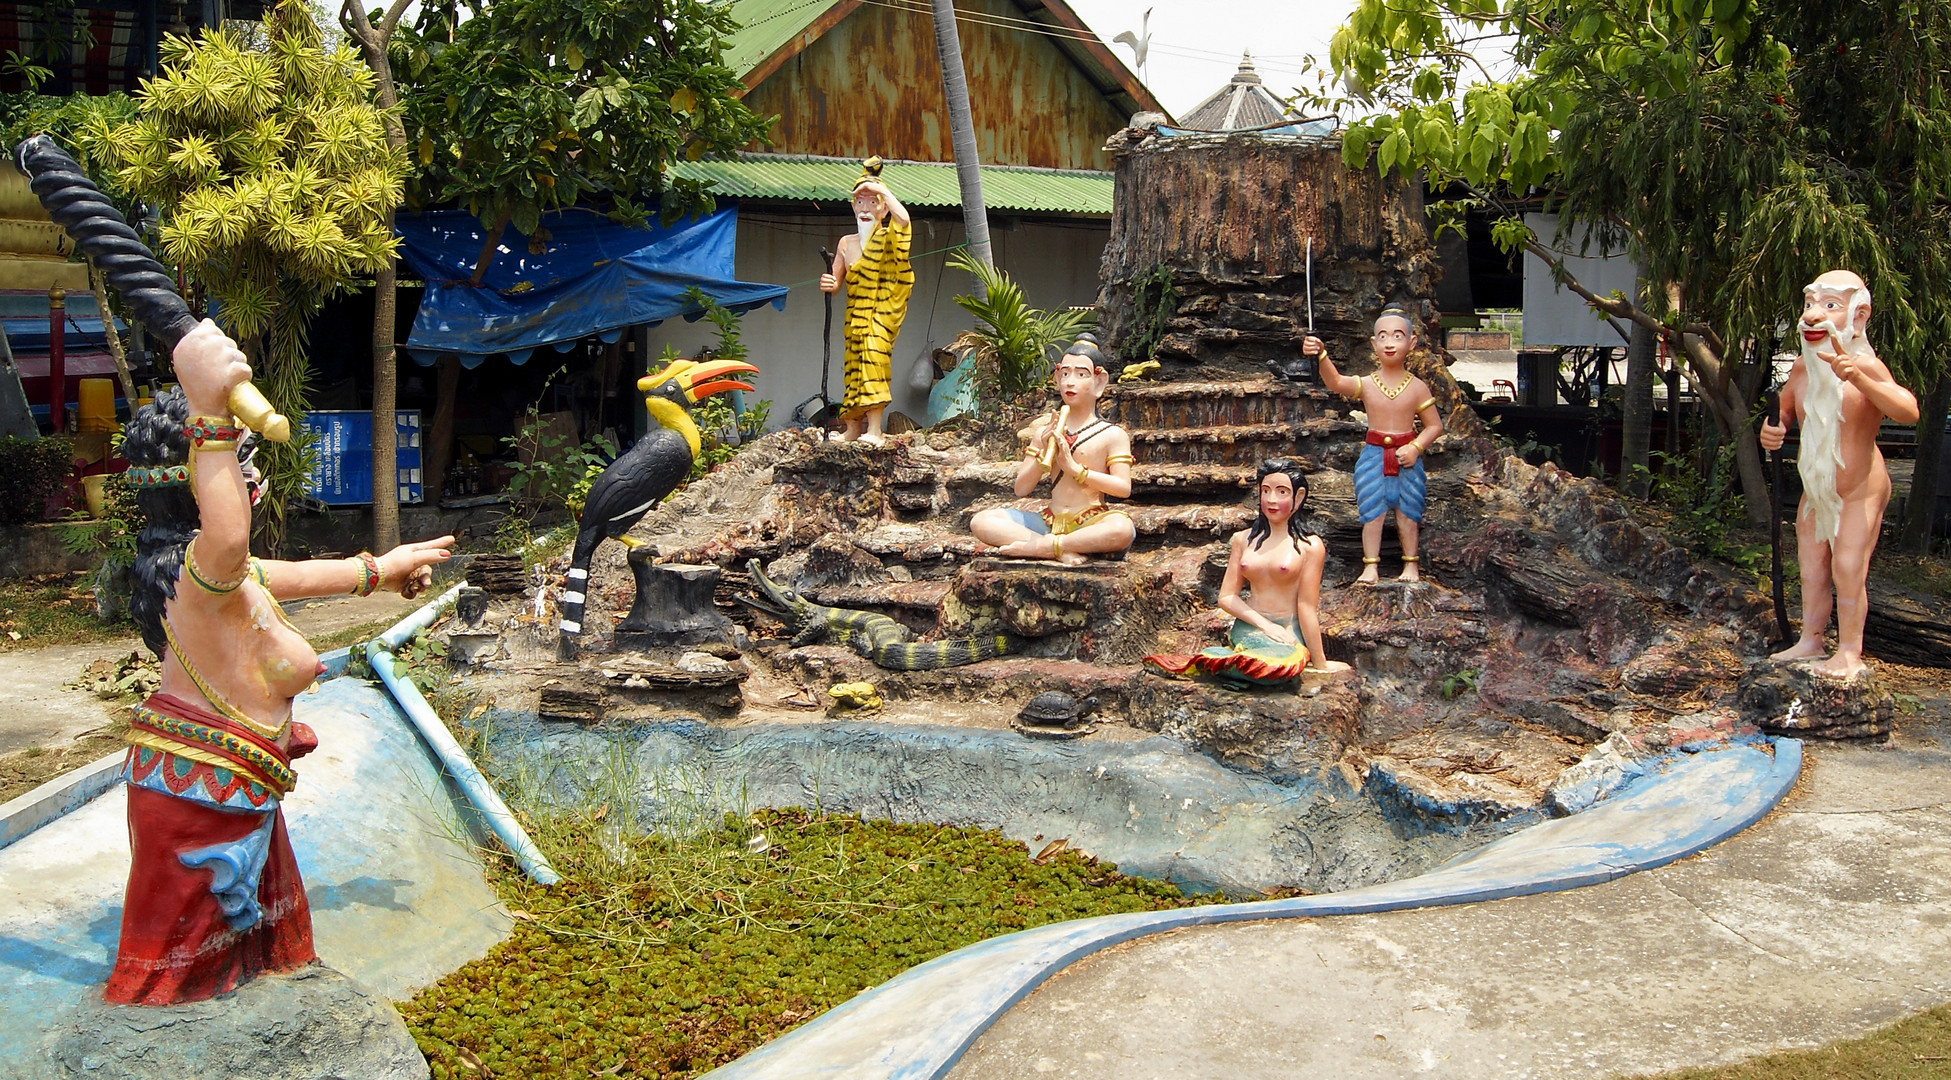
x: 1140, y: 42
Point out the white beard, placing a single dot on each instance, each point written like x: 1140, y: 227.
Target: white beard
x: 1820, y: 459
x: 865, y: 227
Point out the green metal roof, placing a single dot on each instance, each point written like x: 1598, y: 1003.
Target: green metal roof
x: 765, y: 25
x: 801, y: 178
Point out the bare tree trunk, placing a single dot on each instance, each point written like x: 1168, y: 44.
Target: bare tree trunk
x: 111, y: 337
x: 372, y: 40
x: 1927, y: 477
x: 961, y: 127
x: 1728, y: 393
x: 386, y: 378
x: 1636, y: 425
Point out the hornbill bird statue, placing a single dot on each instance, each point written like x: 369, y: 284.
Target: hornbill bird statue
x: 652, y: 469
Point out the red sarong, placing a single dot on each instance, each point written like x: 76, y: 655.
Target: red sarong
x: 177, y: 945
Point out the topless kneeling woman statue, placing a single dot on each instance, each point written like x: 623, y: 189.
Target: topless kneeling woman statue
x: 1276, y: 632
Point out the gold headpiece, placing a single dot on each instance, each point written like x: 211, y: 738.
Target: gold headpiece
x: 869, y: 170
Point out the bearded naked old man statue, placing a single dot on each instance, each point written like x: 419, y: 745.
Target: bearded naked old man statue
x: 1839, y: 392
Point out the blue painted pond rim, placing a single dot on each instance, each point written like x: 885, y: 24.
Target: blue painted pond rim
x: 455, y: 760
x: 78, y: 787
x: 917, y: 1025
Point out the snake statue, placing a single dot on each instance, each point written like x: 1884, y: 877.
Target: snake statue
x: 878, y: 638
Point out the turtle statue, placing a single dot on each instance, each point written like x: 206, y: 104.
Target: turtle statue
x: 1055, y: 714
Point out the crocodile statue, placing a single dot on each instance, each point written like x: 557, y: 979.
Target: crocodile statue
x: 878, y: 638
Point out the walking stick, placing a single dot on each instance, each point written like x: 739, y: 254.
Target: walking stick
x: 826, y: 357
x: 100, y: 231
x: 1775, y: 525
x: 826, y: 343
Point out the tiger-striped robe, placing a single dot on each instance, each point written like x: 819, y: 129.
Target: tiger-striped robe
x: 878, y: 286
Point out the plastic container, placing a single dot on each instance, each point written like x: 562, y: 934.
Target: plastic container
x: 96, y: 411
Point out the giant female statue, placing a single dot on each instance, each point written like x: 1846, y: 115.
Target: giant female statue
x: 214, y: 894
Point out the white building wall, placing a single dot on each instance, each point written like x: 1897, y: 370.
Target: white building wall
x: 1055, y: 263
x: 1555, y: 315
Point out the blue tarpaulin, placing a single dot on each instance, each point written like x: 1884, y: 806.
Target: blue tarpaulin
x: 591, y: 276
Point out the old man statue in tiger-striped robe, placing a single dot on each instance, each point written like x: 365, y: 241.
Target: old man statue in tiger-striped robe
x: 873, y: 263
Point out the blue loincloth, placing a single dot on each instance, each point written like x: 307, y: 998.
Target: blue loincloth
x: 1376, y: 494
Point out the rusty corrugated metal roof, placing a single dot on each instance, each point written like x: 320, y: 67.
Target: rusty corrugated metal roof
x: 801, y: 178
x: 772, y: 31
x: 766, y: 26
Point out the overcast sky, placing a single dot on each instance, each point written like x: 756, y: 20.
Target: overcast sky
x: 1196, y: 44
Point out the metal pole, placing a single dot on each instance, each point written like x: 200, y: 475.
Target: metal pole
x: 57, y: 359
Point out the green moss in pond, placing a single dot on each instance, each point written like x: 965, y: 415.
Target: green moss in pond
x: 667, y: 958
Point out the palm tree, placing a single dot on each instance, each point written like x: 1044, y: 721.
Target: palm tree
x: 961, y: 129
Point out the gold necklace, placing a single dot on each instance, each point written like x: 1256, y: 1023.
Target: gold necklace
x: 1407, y: 378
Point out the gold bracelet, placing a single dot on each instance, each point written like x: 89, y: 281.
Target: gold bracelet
x: 1080, y: 474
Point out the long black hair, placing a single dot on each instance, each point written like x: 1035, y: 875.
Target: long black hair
x: 1262, y: 528
x: 155, y: 437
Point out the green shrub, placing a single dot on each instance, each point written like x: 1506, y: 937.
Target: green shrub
x: 31, y: 473
x: 1012, y: 347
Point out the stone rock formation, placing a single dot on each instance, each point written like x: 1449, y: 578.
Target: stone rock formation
x: 1551, y: 618
x: 315, y: 1023
x: 1207, y: 260
x: 1789, y: 698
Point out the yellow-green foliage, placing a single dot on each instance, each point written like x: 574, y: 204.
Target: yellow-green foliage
x: 272, y: 171
x: 270, y: 165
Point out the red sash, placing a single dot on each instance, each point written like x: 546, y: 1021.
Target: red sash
x: 1388, y: 442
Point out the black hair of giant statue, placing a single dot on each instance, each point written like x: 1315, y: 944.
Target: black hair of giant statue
x: 1262, y: 528
x: 155, y: 437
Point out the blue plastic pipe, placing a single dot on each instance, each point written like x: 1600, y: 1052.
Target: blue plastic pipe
x: 474, y: 785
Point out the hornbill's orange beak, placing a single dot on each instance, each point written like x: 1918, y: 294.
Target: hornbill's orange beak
x: 708, y: 378
x: 699, y: 379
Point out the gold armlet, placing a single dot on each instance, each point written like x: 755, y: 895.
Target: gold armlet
x: 214, y: 588
x: 1427, y: 402
x: 1120, y: 459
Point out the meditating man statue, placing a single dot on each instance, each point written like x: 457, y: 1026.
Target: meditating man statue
x: 873, y: 263
x: 1090, y: 457
x: 1389, y: 474
x: 1839, y: 392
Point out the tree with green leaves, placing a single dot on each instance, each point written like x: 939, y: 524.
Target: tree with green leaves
x: 535, y: 105
x: 272, y: 172
x: 529, y: 106
x: 1013, y: 345
x: 1735, y: 148
x: 372, y: 32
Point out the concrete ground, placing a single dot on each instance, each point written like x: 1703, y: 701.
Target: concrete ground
x: 43, y: 712
x: 1828, y: 919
